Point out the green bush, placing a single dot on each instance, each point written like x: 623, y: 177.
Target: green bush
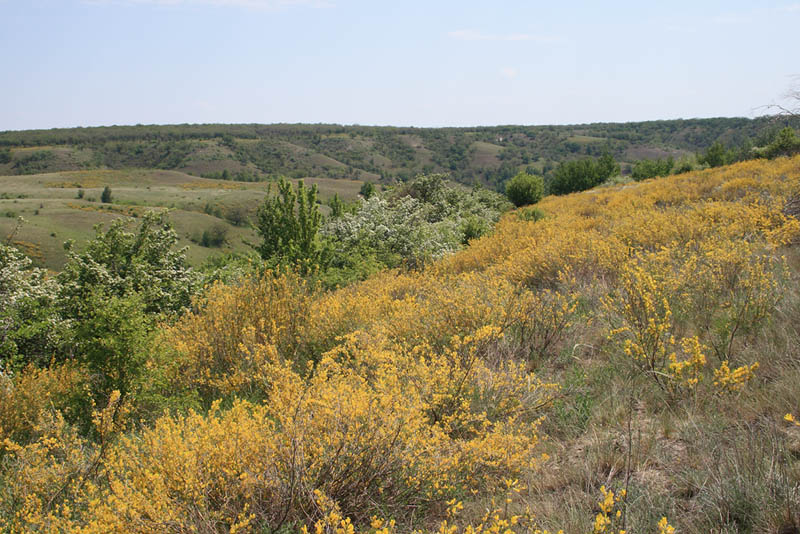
x: 121, y: 263
x: 714, y: 156
x: 367, y: 190
x: 582, y: 174
x: 288, y: 223
x: 524, y: 189
x: 650, y: 168
x: 785, y: 143
x: 214, y: 236
x: 111, y: 336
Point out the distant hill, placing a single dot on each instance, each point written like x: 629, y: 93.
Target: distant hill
x: 256, y: 152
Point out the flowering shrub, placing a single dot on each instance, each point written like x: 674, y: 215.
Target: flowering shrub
x: 29, y: 323
x: 390, y: 403
x: 377, y: 427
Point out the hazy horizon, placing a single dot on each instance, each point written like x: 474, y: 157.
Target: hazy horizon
x: 84, y: 63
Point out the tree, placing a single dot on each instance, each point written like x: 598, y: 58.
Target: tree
x: 524, y: 189
x: 29, y: 322
x: 367, y: 190
x: 791, y: 107
x: 214, y: 236
x: 106, y: 196
x: 236, y: 214
x: 582, y: 174
x: 650, y: 168
x: 112, y: 339
x: 121, y: 263
x: 714, y: 156
x: 607, y: 167
x: 288, y: 223
x: 336, y: 205
x: 785, y: 144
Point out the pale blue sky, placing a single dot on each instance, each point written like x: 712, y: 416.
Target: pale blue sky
x: 419, y: 63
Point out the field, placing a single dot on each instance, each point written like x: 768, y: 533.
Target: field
x: 54, y: 213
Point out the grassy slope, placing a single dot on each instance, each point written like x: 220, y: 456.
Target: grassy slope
x: 54, y: 214
x: 708, y: 461
x: 721, y: 463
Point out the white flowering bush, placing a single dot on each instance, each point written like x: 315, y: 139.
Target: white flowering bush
x: 412, y: 225
x: 29, y: 323
x: 120, y: 263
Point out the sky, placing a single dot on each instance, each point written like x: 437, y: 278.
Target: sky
x: 73, y: 63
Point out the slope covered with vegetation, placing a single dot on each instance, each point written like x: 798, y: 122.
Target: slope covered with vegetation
x: 616, y: 359
x: 66, y: 205
x: 487, y: 155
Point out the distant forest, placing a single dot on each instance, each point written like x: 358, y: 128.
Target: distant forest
x: 481, y: 155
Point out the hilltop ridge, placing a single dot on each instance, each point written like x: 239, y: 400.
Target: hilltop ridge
x: 487, y: 155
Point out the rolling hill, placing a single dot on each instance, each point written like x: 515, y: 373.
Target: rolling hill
x: 253, y: 152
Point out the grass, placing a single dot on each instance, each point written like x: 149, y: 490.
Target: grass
x: 485, y: 154
x: 53, y: 212
x: 725, y: 465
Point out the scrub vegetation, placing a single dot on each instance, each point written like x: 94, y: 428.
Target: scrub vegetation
x: 419, y: 357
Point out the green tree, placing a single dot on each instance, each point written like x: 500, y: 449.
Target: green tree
x: 650, y: 168
x: 214, y: 236
x: 714, y: 156
x: 105, y: 197
x: 582, y: 174
x: 5, y: 155
x: 111, y: 336
x: 607, y: 167
x: 288, y: 223
x: 367, y: 190
x: 336, y: 205
x: 29, y: 321
x: 524, y: 189
x: 785, y: 143
x: 121, y: 263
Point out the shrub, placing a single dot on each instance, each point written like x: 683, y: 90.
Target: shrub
x: 582, y: 174
x: 650, y: 168
x: 105, y: 197
x: 32, y: 392
x: 524, y: 189
x: 121, y: 263
x: 714, y: 156
x: 786, y: 143
x: 211, y: 341
x: 29, y: 322
x: 214, y: 236
x: 367, y: 190
x: 288, y: 223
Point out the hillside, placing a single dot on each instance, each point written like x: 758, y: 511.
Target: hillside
x: 66, y: 205
x: 618, y: 359
x: 251, y: 152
